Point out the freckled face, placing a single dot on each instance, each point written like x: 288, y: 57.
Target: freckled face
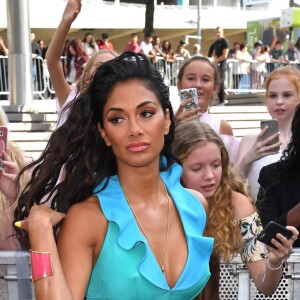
x: 202, y: 169
x: 282, y: 98
x: 134, y: 124
x: 200, y: 75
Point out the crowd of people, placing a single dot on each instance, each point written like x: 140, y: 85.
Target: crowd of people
x: 134, y: 198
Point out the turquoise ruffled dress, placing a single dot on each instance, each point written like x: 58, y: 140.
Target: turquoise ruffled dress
x: 126, y: 268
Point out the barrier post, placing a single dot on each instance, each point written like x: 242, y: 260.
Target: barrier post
x: 20, y: 58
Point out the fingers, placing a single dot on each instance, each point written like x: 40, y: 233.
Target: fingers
x: 5, y: 156
x: 40, y: 214
x: 22, y: 224
x: 295, y: 232
x: 11, y: 167
x: 11, y: 177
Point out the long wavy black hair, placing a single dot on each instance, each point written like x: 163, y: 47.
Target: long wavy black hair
x: 76, y: 158
x: 289, y: 164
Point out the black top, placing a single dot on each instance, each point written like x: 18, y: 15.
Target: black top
x: 218, y: 46
x: 277, y: 196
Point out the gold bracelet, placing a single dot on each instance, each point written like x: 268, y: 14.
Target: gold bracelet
x: 273, y: 269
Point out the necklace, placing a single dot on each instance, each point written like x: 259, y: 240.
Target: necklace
x: 161, y: 263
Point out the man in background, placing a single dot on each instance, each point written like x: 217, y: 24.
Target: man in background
x: 218, y: 51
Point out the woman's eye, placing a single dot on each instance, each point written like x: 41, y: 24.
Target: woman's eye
x: 287, y: 95
x: 115, y: 119
x: 197, y: 169
x: 147, y: 113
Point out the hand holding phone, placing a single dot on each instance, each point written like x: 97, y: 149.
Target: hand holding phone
x: 3, y: 138
x: 270, y: 231
x: 3, y: 144
x: 272, y: 129
x: 189, y: 94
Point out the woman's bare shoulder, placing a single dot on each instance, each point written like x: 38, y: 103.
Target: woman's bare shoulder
x: 225, y: 128
x: 85, y: 218
x: 243, y: 206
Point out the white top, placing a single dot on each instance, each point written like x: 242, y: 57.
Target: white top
x: 254, y: 171
x: 63, y: 113
x: 72, y: 75
x: 90, y: 50
x: 231, y: 142
x: 146, y: 47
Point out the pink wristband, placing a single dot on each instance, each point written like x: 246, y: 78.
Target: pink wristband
x: 41, y: 265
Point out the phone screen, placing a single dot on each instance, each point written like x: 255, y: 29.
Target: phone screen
x: 189, y: 94
x: 272, y: 128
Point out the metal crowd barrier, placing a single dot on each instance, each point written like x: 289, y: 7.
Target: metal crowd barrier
x: 250, y: 77
x: 236, y: 284
x: 41, y: 83
x: 169, y: 71
x: 235, y: 281
x: 245, y: 77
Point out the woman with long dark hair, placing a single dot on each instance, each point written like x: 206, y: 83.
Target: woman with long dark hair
x: 130, y: 228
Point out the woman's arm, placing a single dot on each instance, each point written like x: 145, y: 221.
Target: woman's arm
x: 266, y: 273
x: 78, y: 247
x: 55, y: 49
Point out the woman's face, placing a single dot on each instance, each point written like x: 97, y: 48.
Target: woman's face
x: 134, y: 124
x: 282, y: 98
x: 202, y: 169
x: 88, y: 38
x: 200, y: 75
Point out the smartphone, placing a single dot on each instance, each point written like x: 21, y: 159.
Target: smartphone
x: 272, y: 128
x: 189, y: 94
x: 270, y: 231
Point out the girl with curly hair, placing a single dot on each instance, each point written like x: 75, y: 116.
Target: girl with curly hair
x: 128, y: 229
x: 279, y: 195
x: 232, y: 220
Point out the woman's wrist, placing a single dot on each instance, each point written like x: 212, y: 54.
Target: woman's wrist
x: 274, y: 266
x: 40, y: 223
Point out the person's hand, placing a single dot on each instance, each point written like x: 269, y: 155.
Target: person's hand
x: 8, y: 176
x: 260, y: 147
x: 293, y: 216
x: 283, y: 245
x: 72, y: 10
x: 39, y: 216
x: 187, y: 115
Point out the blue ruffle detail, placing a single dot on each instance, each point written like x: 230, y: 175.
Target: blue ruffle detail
x: 193, y: 217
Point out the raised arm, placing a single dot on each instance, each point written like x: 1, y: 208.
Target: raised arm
x: 55, y: 49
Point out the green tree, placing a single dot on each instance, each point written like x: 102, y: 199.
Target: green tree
x: 149, y: 17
